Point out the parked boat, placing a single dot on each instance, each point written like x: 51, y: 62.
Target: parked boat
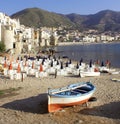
x: 89, y: 74
x: 104, y: 69
x: 73, y: 94
x: 116, y: 79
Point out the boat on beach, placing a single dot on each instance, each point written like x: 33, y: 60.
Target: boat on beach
x: 116, y: 79
x: 89, y: 74
x: 73, y: 94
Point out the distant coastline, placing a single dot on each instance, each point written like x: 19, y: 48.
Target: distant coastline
x: 69, y: 43
x: 81, y: 43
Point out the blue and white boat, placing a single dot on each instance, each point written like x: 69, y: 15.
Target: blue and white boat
x: 73, y: 94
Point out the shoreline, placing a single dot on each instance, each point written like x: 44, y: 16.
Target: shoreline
x: 82, y: 51
x: 81, y: 43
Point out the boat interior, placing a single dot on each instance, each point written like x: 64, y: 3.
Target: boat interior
x: 81, y: 90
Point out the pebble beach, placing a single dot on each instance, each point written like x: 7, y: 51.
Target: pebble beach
x: 28, y: 104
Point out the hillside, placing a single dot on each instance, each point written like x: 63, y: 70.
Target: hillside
x: 103, y: 21
x: 106, y: 20
x: 36, y: 17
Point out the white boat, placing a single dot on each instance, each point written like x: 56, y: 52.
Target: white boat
x: 116, y: 79
x: 104, y: 69
x: 70, y: 95
x: 89, y: 74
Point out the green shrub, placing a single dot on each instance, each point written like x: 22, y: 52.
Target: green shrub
x: 2, y: 47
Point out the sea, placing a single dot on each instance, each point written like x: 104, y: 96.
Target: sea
x: 91, y: 52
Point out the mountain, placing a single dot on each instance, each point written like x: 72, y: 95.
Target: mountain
x: 36, y: 17
x: 106, y: 20
x: 103, y: 21
x: 78, y: 20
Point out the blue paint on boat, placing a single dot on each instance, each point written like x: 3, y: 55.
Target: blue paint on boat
x: 73, y: 90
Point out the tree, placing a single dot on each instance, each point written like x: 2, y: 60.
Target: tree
x: 2, y: 47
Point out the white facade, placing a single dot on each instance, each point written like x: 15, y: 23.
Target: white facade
x: 89, y: 39
x: 9, y: 38
x: 13, y: 34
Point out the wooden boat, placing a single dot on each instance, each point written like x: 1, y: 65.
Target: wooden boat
x: 70, y: 95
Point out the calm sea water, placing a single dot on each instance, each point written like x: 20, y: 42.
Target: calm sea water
x: 95, y: 52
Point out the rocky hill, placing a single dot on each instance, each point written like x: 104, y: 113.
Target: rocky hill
x: 106, y: 20
x: 36, y: 17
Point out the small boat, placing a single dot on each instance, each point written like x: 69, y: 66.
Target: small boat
x: 89, y: 74
x: 104, y: 69
x: 116, y: 79
x: 73, y: 94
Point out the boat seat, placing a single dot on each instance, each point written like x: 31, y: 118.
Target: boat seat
x: 80, y: 91
x: 65, y: 93
x: 74, y: 91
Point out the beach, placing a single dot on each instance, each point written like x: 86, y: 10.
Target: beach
x: 28, y: 104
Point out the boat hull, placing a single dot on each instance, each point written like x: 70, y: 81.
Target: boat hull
x: 56, y: 102
x: 89, y: 74
x: 57, y: 106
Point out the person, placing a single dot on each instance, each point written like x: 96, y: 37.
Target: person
x: 55, y: 73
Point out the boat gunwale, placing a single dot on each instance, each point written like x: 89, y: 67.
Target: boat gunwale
x: 68, y: 89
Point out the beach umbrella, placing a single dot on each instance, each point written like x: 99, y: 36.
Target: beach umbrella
x: 51, y: 63
x: 41, y: 67
x: 57, y: 62
x: 90, y: 64
x: 32, y: 64
x: 70, y: 61
x: 43, y: 61
x: 61, y: 65
x: 18, y: 69
x: 97, y: 62
x: 26, y: 58
x: 18, y: 58
x: 10, y: 66
x: 5, y: 64
x: 81, y: 61
x: 59, y: 57
x: 5, y: 58
x: 66, y: 64
x: 108, y: 63
x: 77, y: 66
x: 21, y: 59
x: 25, y: 63
x: 102, y: 64
x: 54, y: 58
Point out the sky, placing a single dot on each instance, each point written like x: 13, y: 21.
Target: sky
x: 82, y: 7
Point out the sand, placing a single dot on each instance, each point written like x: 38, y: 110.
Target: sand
x: 29, y: 104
